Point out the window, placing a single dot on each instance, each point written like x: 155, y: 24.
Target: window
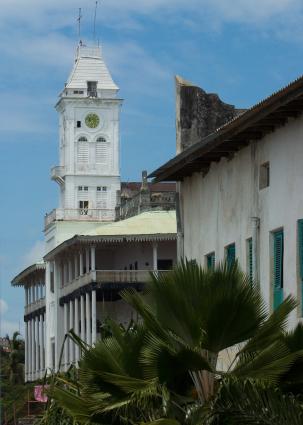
x: 80, y: 188
x: 52, y: 279
x: 300, y: 259
x: 101, y: 151
x: 78, y: 124
x: 104, y: 188
x: 278, y: 246
x: 264, y: 176
x: 82, y: 154
x: 85, y: 188
x: 249, y: 258
x: 92, y: 88
x: 78, y: 91
x: 83, y: 206
x: 230, y: 254
x: 210, y: 261
x: 99, y: 188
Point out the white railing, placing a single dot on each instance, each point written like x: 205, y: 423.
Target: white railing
x: 109, y: 276
x: 82, y: 214
x: 30, y: 308
x: 57, y: 171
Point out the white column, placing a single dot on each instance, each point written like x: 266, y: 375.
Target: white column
x: 81, y: 263
x: 155, y: 256
x: 93, y: 257
x: 29, y: 350
x: 65, y: 324
x: 26, y: 296
x: 64, y: 273
x: 94, y: 317
x: 70, y: 276
x: 41, y: 344
x: 37, y: 346
x: 33, y: 293
x: 76, y: 265
x: 33, y: 348
x: 76, y: 327
x: 26, y: 351
x: 88, y: 320
x: 82, y: 314
x: 71, y: 326
x: 87, y: 259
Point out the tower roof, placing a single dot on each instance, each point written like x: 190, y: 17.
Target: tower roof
x: 90, y: 66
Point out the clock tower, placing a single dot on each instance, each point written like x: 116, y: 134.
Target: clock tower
x: 88, y: 172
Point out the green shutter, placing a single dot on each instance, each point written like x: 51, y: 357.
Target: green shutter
x: 300, y: 256
x: 211, y: 260
x: 278, y: 268
x: 231, y: 254
x: 250, y: 259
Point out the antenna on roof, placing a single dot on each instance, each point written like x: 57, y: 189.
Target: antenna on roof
x: 79, y: 23
x: 95, y: 16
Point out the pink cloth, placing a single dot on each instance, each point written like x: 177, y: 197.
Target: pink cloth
x: 39, y: 393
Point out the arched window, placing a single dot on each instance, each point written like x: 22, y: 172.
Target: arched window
x: 101, y: 150
x: 82, y: 151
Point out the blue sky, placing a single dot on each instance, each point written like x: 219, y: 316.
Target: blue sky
x: 243, y: 50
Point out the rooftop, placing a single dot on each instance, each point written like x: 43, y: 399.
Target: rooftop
x: 253, y: 124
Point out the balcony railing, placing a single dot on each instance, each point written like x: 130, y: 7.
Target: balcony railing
x: 36, y: 305
x: 109, y: 276
x: 57, y: 172
x: 79, y: 214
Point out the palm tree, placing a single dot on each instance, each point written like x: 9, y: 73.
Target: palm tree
x: 216, y: 322
x: 16, y: 359
x: 199, y: 328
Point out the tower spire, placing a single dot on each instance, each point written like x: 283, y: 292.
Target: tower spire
x: 94, y: 27
x: 79, y: 24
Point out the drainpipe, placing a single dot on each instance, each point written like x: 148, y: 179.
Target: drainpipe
x: 255, y: 248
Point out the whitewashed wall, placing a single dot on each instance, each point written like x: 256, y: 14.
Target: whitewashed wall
x: 219, y: 207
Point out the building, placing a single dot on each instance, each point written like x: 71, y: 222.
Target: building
x: 239, y: 177
x: 103, y: 237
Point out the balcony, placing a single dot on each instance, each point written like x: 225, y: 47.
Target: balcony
x: 36, y: 305
x: 57, y: 174
x: 100, y: 277
x: 79, y: 214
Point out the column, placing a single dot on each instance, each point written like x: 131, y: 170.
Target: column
x: 82, y: 317
x: 81, y: 263
x: 29, y: 347
x: 26, y: 295
x: 76, y: 327
x: 87, y: 259
x: 155, y: 256
x: 41, y: 345
x: 76, y: 265
x: 37, y: 291
x: 88, y: 320
x: 71, y: 326
x: 33, y: 293
x: 93, y: 257
x: 94, y: 317
x: 70, y: 276
x: 33, y: 348
x: 26, y: 351
x: 37, y: 343
x: 65, y: 324
x: 64, y: 273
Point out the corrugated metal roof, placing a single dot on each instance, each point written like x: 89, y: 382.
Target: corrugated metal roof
x: 23, y: 276
x: 147, y: 223
x: 90, y: 66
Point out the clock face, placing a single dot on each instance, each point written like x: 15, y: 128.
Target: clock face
x: 92, y: 120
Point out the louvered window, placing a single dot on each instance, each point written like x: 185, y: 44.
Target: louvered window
x: 101, y: 150
x: 230, y: 254
x: 249, y: 263
x: 278, y: 267
x: 82, y: 154
x: 102, y: 197
x: 210, y: 261
x: 300, y: 258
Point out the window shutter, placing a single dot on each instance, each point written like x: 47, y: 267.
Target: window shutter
x: 211, y: 260
x: 101, y: 151
x: 231, y: 254
x: 278, y: 268
x: 250, y: 259
x: 300, y: 256
x: 82, y: 152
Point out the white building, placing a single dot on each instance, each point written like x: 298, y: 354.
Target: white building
x: 89, y: 258
x: 240, y: 190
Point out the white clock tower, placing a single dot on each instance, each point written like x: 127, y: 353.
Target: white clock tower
x: 89, y: 110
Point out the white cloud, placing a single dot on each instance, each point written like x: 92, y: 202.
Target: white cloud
x: 35, y: 254
x: 3, y: 307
